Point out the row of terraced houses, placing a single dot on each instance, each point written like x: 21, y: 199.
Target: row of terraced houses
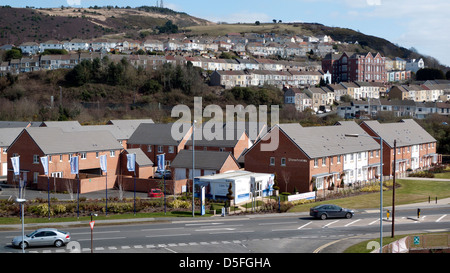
x: 302, y: 158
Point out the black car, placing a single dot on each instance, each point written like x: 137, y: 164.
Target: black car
x: 330, y: 211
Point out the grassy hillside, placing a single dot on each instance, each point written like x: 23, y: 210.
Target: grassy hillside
x: 18, y: 25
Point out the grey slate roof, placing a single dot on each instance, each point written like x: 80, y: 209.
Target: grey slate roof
x: 53, y: 140
x: 407, y: 132
x: 128, y: 126
x: 321, y: 141
x: 8, y: 135
x: 206, y: 160
x: 153, y: 134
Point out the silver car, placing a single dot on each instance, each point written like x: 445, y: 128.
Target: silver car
x: 43, y: 237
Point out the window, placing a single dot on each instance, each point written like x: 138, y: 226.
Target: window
x: 60, y: 158
x: 272, y: 161
x: 283, y: 161
x: 324, y: 161
x: 171, y: 150
x: 96, y: 154
x: 112, y: 153
x: 83, y: 155
x: 35, y: 159
x: 160, y: 149
x: 338, y: 159
x: 316, y: 162
x: 35, y: 177
x: 149, y: 148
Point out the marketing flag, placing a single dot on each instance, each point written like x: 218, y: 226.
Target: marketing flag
x: 44, y: 161
x: 103, y: 164
x: 131, y: 162
x: 74, y: 165
x: 16, y: 165
x: 161, y: 162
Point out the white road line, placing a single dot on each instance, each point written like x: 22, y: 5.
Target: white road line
x: 161, y: 229
x: 374, y: 222
x: 440, y: 218
x: 330, y: 223
x: 166, y: 235
x: 96, y: 232
x: 304, y: 225
x: 351, y: 223
x: 283, y: 223
x: 96, y: 239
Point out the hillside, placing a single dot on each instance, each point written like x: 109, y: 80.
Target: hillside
x: 366, y: 43
x: 18, y: 25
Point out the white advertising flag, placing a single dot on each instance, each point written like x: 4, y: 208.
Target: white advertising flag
x: 16, y: 164
x: 131, y: 162
x: 103, y: 164
x: 44, y: 161
x: 74, y: 165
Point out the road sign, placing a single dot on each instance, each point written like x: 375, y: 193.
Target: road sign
x: 416, y: 240
x: 92, y: 224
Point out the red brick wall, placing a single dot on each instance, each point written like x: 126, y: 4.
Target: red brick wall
x: 298, y: 166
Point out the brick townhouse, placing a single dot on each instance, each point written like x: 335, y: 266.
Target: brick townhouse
x: 154, y: 139
x: 349, y: 66
x: 416, y: 148
x: 33, y: 143
x: 309, y: 157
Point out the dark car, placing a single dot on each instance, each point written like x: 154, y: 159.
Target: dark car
x: 160, y: 174
x: 330, y: 211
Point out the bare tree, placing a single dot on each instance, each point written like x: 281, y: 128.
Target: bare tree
x: 286, y: 176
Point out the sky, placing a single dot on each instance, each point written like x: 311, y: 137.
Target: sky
x: 407, y: 23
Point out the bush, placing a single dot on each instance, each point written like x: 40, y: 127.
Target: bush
x: 179, y: 204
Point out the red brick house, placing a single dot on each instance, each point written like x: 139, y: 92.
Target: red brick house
x: 154, y: 139
x: 315, y: 157
x: 416, y: 148
x: 206, y: 163
x: 350, y: 66
x: 59, y: 146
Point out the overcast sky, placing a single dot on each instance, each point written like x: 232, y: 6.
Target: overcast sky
x: 408, y: 23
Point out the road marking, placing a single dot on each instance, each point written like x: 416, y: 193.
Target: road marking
x: 96, y: 232
x: 440, y: 218
x: 304, y: 225
x: 165, y: 235
x: 283, y: 223
x: 97, y: 239
x: 374, y: 222
x: 351, y: 223
x: 330, y: 223
x: 173, y: 251
x: 161, y: 229
x: 202, y: 224
x: 215, y: 229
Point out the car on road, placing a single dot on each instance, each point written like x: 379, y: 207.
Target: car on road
x: 159, y: 174
x: 155, y: 193
x: 330, y: 211
x: 43, y: 237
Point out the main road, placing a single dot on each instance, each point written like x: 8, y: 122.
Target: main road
x: 255, y: 233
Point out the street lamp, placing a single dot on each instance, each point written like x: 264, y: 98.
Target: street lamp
x: 193, y: 166
x: 381, y: 182
x: 22, y: 201
x: 92, y: 231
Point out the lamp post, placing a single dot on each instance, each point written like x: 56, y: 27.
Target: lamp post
x: 92, y: 231
x: 22, y: 201
x: 193, y: 166
x: 381, y: 182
